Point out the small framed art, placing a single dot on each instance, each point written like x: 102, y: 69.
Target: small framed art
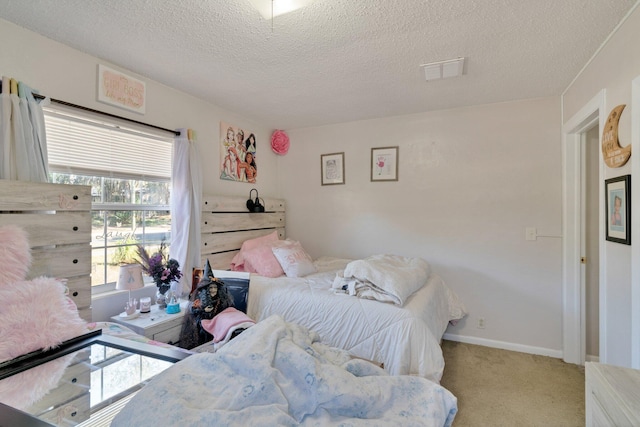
x: 332, y: 168
x: 384, y: 164
x: 618, y: 200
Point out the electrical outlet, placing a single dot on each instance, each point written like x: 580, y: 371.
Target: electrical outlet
x: 481, y: 323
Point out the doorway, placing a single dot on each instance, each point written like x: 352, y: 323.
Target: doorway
x: 578, y: 232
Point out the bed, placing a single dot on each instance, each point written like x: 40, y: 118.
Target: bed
x: 274, y: 373
x: 405, y: 339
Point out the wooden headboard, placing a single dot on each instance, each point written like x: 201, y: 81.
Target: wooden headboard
x: 57, y: 218
x: 226, y: 223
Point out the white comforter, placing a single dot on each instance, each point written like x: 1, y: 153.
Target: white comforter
x: 386, y: 278
x: 406, y: 339
x: 278, y: 374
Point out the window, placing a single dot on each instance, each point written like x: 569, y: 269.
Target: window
x: 129, y: 170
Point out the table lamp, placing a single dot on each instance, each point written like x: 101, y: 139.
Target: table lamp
x: 130, y: 277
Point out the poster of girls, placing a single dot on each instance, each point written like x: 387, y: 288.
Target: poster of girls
x: 238, y: 154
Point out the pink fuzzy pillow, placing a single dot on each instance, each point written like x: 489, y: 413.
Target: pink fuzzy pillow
x: 36, y: 314
x: 15, y: 254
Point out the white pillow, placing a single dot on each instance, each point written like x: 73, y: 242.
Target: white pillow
x: 293, y: 259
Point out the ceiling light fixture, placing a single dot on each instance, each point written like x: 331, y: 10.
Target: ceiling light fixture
x: 272, y: 8
x: 443, y: 69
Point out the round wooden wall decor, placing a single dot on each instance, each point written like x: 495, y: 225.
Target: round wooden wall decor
x: 614, y: 155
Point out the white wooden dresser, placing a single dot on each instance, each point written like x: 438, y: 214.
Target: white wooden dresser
x: 612, y: 395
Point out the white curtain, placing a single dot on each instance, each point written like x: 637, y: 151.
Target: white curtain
x: 186, y: 206
x: 22, y: 140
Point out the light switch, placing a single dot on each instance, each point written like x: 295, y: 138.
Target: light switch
x: 531, y: 233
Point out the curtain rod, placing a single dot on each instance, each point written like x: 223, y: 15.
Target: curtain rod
x: 68, y: 104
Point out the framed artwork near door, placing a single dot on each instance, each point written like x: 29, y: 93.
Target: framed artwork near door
x: 618, y: 215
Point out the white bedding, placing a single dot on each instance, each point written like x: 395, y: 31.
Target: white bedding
x: 406, y: 339
x: 278, y: 374
x: 386, y: 278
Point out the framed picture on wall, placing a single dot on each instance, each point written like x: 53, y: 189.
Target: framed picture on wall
x: 618, y: 216
x: 384, y: 164
x: 332, y: 168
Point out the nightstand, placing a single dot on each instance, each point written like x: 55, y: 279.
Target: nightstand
x: 157, y: 324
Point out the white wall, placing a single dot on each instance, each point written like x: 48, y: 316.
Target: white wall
x: 613, y: 69
x: 470, y: 181
x: 67, y: 74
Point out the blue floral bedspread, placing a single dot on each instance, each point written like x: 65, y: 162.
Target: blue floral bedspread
x: 279, y: 374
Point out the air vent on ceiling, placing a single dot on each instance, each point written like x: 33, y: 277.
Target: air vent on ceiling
x: 443, y: 69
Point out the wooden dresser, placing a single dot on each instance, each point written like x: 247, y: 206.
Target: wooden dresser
x: 612, y: 395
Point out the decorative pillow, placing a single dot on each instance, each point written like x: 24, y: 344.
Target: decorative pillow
x: 261, y: 260
x: 293, y: 259
x: 237, y: 263
x: 36, y: 314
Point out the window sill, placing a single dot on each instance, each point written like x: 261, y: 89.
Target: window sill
x: 134, y: 294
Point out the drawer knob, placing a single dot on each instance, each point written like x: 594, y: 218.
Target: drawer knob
x: 74, y: 380
x: 75, y: 261
x: 75, y: 228
x: 75, y: 293
x: 75, y: 197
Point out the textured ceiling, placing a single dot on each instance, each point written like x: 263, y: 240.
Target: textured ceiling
x: 335, y: 60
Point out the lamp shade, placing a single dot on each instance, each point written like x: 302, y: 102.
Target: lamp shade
x: 130, y: 277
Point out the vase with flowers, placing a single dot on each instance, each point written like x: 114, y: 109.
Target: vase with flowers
x: 162, y: 269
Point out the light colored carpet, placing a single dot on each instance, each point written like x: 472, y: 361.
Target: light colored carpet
x: 506, y: 388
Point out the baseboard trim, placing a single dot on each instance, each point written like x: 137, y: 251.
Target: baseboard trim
x: 591, y: 358
x: 504, y: 345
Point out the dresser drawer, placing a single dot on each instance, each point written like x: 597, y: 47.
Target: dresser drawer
x: 598, y: 416
x: 71, y: 413
x: 171, y: 335
x: 612, y: 395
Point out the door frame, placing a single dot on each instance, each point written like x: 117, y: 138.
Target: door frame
x: 635, y: 230
x: 573, y: 280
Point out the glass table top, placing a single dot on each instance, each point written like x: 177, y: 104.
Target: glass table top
x: 87, y: 386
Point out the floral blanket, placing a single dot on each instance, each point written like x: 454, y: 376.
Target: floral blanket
x: 278, y: 373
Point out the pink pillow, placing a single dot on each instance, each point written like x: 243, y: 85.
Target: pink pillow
x: 237, y: 263
x: 261, y: 260
x: 293, y: 259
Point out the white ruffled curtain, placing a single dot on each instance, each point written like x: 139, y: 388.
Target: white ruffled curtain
x: 186, y: 206
x: 22, y: 141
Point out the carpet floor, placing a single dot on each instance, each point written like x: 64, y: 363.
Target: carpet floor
x: 506, y: 388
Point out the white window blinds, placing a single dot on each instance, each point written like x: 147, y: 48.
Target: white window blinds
x: 87, y: 144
